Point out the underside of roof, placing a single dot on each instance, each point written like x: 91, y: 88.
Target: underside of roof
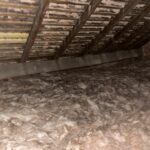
x: 49, y: 29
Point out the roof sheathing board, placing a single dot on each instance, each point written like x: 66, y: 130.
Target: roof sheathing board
x: 58, y: 22
x: 98, y: 20
x: 122, y: 35
x: 128, y: 26
x: 106, y: 33
x: 16, y: 18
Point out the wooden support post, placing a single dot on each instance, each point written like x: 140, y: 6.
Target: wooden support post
x: 123, y: 12
x: 35, y: 28
x: 89, y: 10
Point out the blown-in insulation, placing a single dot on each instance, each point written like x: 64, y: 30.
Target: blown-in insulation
x: 103, y: 108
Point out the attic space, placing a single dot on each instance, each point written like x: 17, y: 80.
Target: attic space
x: 74, y: 75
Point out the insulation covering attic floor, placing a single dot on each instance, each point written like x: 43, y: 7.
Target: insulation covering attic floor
x: 98, y: 108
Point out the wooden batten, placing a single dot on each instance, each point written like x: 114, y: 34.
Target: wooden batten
x: 79, y: 24
x: 58, y: 28
x: 123, y: 12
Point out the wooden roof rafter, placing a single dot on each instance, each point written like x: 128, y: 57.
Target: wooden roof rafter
x: 132, y: 38
x: 60, y: 19
x: 43, y: 4
x: 108, y: 46
x: 142, y: 40
x: 123, y: 12
x: 89, y: 9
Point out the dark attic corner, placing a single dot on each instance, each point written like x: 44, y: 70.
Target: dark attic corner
x: 146, y: 50
x: 74, y: 75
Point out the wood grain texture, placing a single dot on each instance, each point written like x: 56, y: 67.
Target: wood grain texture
x: 35, y: 28
x: 9, y: 70
x: 123, y: 12
x: 89, y: 9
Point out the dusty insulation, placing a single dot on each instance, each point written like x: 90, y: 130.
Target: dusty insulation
x: 104, y: 108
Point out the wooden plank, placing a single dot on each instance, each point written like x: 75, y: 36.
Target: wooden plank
x: 129, y: 42
x: 142, y: 40
x: 35, y: 28
x: 123, y: 12
x: 89, y: 10
x: 9, y: 4
x: 128, y: 27
x: 9, y: 70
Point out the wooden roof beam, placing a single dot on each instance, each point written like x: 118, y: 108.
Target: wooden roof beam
x: 9, y: 70
x: 108, y: 46
x: 43, y: 4
x: 89, y: 10
x: 142, y: 40
x: 130, y: 41
x: 123, y: 12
